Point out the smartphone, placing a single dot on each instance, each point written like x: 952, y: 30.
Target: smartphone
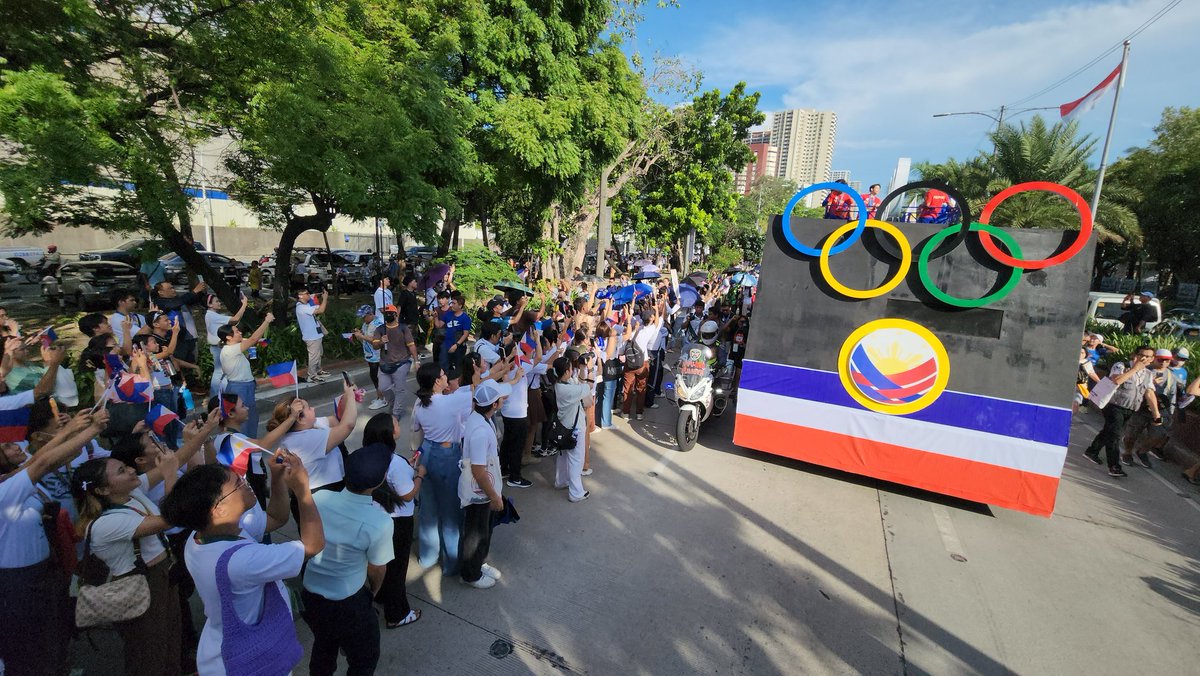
x: 346, y: 378
x: 416, y: 457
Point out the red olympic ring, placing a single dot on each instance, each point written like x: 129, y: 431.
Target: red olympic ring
x: 1085, y: 226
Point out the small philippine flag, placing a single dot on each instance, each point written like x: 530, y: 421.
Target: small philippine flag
x: 132, y: 388
x: 283, y: 374
x: 158, y: 417
x: 236, y: 453
x: 13, y: 424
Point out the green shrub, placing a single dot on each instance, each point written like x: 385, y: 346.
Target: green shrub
x: 1126, y: 344
x: 477, y: 270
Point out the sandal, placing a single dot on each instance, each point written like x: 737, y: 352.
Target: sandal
x: 1190, y: 480
x: 412, y: 616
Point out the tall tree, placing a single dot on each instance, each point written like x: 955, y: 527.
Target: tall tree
x: 101, y: 104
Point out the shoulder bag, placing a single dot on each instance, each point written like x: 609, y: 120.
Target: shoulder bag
x: 268, y: 647
x: 564, y: 438
x: 112, y: 600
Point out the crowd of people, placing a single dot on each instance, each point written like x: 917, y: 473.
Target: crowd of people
x: 118, y: 514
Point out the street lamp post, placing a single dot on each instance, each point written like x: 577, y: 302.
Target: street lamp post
x: 998, y: 119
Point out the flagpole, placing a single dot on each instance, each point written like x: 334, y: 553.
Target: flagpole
x: 1112, y: 120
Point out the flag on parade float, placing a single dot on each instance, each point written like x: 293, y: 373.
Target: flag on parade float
x: 113, y: 364
x: 1088, y: 101
x: 236, y: 452
x: 14, y: 423
x: 158, y: 417
x: 283, y: 374
x: 132, y: 388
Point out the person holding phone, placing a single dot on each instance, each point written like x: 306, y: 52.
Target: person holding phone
x: 235, y: 367
x: 214, y: 318
x: 398, y: 354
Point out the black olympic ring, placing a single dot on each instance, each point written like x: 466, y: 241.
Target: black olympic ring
x: 950, y: 244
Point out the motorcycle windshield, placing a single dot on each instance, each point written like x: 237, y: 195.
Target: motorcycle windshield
x: 690, y: 372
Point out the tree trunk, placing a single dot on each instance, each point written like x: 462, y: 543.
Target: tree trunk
x: 296, y: 225
x: 449, y: 228
x: 483, y: 221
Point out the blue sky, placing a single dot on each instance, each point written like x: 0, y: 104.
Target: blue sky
x: 887, y: 67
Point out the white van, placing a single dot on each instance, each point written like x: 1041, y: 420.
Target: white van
x: 1105, y: 308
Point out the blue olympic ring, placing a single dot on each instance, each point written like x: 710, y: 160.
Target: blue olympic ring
x: 850, y: 239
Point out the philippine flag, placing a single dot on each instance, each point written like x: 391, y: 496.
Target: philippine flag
x: 228, y: 404
x: 113, y: 364
x: 528, y: 346
x: 132, y: 388
x: 237, y: 453
x: 283, y: 374
x: 158, y: 417
x: 339, y: 406
x: 13, y: 423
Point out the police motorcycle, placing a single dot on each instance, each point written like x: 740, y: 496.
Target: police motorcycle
x: 701, y: 385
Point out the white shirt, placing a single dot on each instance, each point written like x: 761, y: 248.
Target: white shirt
x: 517, y: 403
x: 214, y: 320
x: 383, y: 298
x: 250, y: 569
x: 570, y: 403
x: 235, y: 365
x: 479, y: 448
x: 442, y: 420
x: 22, y: 538
x: 307, y: 321
x: 324, y: 467
x: 112, y: 532
x: 116, y: 319
x: 400, y: 478
x: 487, y: 351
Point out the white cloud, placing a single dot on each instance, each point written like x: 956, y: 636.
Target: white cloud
x: 887, y: 82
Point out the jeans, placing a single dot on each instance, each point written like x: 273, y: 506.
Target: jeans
x: 515, y: 430
x: 1109, y: 438
x: 607, y: 394
x: 214, y: 385
x: 476, y: 540
x: 440, y: 514
x: 394, y: 386
x: 34, y: 610
x: 244, y: 389
x: 349, y: 625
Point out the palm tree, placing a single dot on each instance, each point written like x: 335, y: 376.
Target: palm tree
x: 1040, y: 152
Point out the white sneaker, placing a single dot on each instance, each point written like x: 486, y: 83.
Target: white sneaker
x: 586, y: 472
x: 639, y: 416
x: 491, y: 572
x: 654, y: 405
x: 377, y: 404
x: 484, y: 582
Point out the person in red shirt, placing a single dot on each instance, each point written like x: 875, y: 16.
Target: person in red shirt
x: 931, y: 209
x: 838, y: 205
x: 872, y: 200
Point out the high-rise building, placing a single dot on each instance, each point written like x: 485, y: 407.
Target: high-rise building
x: 805, y: 140
x: 840, y: 175
x: 765, y: 163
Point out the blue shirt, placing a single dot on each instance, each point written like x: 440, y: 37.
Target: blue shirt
x: 370, y: 352
x: 455, y: 325
x: 357, y: 532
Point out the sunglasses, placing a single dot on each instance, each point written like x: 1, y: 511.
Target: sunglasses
x: 241, y: 483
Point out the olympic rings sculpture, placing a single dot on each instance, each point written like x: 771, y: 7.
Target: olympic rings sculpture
x: 937, y: 245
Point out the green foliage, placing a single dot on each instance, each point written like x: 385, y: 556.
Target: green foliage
x: 1127, y: 343
x: 477, y: 270
x: 724, y: 258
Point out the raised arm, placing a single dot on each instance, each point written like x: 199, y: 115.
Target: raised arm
x: 237, y: 316
x: 261, y: 331
x: 65, y: 445
x: 51, y: 357
x: 339, y: 430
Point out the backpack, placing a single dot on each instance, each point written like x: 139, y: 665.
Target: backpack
x: 634, y: 356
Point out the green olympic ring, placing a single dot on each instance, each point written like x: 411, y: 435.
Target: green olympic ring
x: 923, y: 266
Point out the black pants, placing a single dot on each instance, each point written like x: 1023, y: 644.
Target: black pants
x: 1109, y: 438
x: 34, y: 615
x: 512, y: 446
x: 349, y: 625
x: 184, y: 587
x: 475, y: 541
x: 394, y: 593
x: 654, y: 381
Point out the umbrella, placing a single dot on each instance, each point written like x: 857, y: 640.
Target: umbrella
x: 433, y: 275
x: 745, y: 279
x: 733, y: 269
x: 647, y: 274
x: 650, y: 268
x: 642, y: 262
x: 628, y: 294
x: 700, y: 276
x: 514, y: 286
x: 688, y: 295
x: 590, y: 279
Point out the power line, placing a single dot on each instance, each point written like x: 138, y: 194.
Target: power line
x: 1137, y: 31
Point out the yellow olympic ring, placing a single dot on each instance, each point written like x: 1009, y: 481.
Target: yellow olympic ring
x: 905, y: 260
x: 931, y: 395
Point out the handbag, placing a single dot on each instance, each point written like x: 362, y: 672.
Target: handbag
x: 268, y: 647
x: 114, y: 600
x: 1102, y: 392
x: 613, y: 369
x: 564, y: 438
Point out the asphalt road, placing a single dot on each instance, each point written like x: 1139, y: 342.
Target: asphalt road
x: 729, y: 561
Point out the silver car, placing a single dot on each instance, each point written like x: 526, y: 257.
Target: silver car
x: 88, y: 283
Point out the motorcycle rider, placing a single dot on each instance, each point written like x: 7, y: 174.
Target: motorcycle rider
x: 710, y: 331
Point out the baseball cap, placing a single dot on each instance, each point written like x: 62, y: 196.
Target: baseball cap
x: 367, y: 467
x: 1162, y: 353
x: 364, y: 310
x: 490, y: 391
x: 1147, y: 294
x: 1182, y: 354
x: 1098, y: 336
x: 390, y: 308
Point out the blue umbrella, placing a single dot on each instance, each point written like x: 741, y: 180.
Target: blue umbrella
x: 745, y: 279
x: 628, y: 294
x: 646, y: 274
x: 688, y: 295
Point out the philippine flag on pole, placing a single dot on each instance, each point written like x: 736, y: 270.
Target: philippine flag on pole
x: 237, y: 453
x: 283, y: 374
x: 1072, y: 110
x: 158, y: 417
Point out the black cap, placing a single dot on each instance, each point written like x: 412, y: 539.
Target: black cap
x: 367, y: 467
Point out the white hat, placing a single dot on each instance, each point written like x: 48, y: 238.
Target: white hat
x: 490, y: 391
x: 1163, y: 353
x: 1183, y: 354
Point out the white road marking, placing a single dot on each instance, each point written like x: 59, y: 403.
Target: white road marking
x: 949, y: 536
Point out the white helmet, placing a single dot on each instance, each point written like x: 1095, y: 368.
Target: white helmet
x: 708, y: 332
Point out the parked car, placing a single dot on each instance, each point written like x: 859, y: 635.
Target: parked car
x: 88, y: 283
x: 359, y: 270
x: 229, y: 269
x: 311, y: 267
x: 1105, y: 308
x: 22, y: 256
x: 8, y: 270
x: 423, y: 254
x: 126, y: 252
